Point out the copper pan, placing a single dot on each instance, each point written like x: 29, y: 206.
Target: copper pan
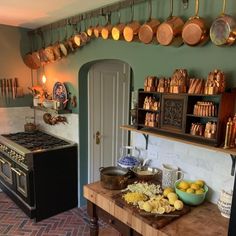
x: 32, y: 59
x: 98, y: 29
x: 148, y: 30
x: 90, y: 29
x: 223, y: 29
x: 131, y: 30
x: 63, y: 45
x: 195, y: 31
x: 106, y: 30
x: 117, y: 30
x: 42, y: 53
x: 169, y: 32
x: 49, y: 49
x: 56, y: 47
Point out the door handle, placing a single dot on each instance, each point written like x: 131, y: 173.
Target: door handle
x: 98, y: 137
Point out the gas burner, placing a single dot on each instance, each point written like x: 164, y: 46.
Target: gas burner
x: 36, y: 141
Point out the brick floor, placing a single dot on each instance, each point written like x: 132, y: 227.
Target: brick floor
x: 14, y: 222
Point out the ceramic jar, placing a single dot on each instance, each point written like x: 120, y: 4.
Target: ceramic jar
x: 224, y: 203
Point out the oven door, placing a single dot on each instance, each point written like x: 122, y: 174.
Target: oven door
x: 24, y: 183
x: 6, y: 175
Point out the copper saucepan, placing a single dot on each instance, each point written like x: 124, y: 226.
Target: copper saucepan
x: 98, y: 29
x: 148, y: 30
x: 106, y: 30
x: 42, y: 53
x: 32, y: 59
x: 63, y: 45
x: 49, y: 49
x: 169, y: 32
x: 56, y: 47
x: 195, y: 31
x: 223, y: 29
x: 130, y: 31
x: 117, y: 30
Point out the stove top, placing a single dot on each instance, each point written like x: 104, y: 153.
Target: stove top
x: 36, y: 141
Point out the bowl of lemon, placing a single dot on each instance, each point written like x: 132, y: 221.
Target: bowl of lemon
x: 191, y: 192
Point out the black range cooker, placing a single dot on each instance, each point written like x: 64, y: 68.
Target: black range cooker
x: 39, y: 172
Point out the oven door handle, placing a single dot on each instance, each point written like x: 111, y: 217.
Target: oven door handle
x: 2, y: 161
x: 17, y: 171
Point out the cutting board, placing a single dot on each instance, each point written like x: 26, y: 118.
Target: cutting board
x: 154, y: 220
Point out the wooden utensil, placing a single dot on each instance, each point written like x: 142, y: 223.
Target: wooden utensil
x: 223, y: 29
x: 148, y: 30
x: 169, y: 32
x: 195, y: 31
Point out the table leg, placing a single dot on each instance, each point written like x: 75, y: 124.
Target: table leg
x: 93, y: 224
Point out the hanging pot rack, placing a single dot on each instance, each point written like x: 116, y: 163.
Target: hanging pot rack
x: 93, y: 13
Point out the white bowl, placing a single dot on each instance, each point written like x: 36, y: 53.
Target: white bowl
x: 48, y: 103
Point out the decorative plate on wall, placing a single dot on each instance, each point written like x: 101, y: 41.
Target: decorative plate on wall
x: 60, y: 94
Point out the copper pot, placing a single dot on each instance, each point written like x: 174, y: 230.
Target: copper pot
x: 32, y: 60
x: 223, y: 29
x: 131, y: 30
x: 49, y: 49
x: 56, y: 48
x: 117, y: 30
x: 195, y: 31
x: 114, y: 177
x: 106, y: 30
x: 148, y: 30
x: 169, y: 32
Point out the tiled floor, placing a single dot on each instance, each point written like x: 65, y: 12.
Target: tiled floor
x: 13, y: 222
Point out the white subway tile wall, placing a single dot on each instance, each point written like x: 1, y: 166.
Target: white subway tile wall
x: 196, y: 163
x: 69, y: 130
x: 13, y: 119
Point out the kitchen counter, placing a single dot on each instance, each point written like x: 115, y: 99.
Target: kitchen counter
x: 203, y: 220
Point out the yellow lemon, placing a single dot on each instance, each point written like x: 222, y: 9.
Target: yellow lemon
x: 190, y: 190
x: 178, y: 205
x: 168, y: 190
x: 147, y: 207
x: 194, y: 186
x: 172, y: 200
x: 172, y: 195
x: 183, y: 185
x: 183, y: 190
x: 199, y: 191
x: 161, y: 210
x: 200, y: 182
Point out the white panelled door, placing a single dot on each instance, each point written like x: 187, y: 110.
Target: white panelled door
x: 108, y: 101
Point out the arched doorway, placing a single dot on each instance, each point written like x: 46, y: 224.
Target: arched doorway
x: 106, y: 71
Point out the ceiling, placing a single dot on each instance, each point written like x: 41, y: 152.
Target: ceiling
x: 34, y: 14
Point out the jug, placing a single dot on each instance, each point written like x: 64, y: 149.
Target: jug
x: 127, y: 159
x: 170, y: 174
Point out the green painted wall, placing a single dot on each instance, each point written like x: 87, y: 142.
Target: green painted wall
x: 144, y: 59
x: 14, y: 44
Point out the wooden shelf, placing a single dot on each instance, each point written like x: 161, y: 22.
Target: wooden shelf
x: 51, y: 110
x: 203, y: 117
x: 150, y: 131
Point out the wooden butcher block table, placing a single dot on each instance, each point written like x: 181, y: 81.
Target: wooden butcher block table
x: 203, y: 220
